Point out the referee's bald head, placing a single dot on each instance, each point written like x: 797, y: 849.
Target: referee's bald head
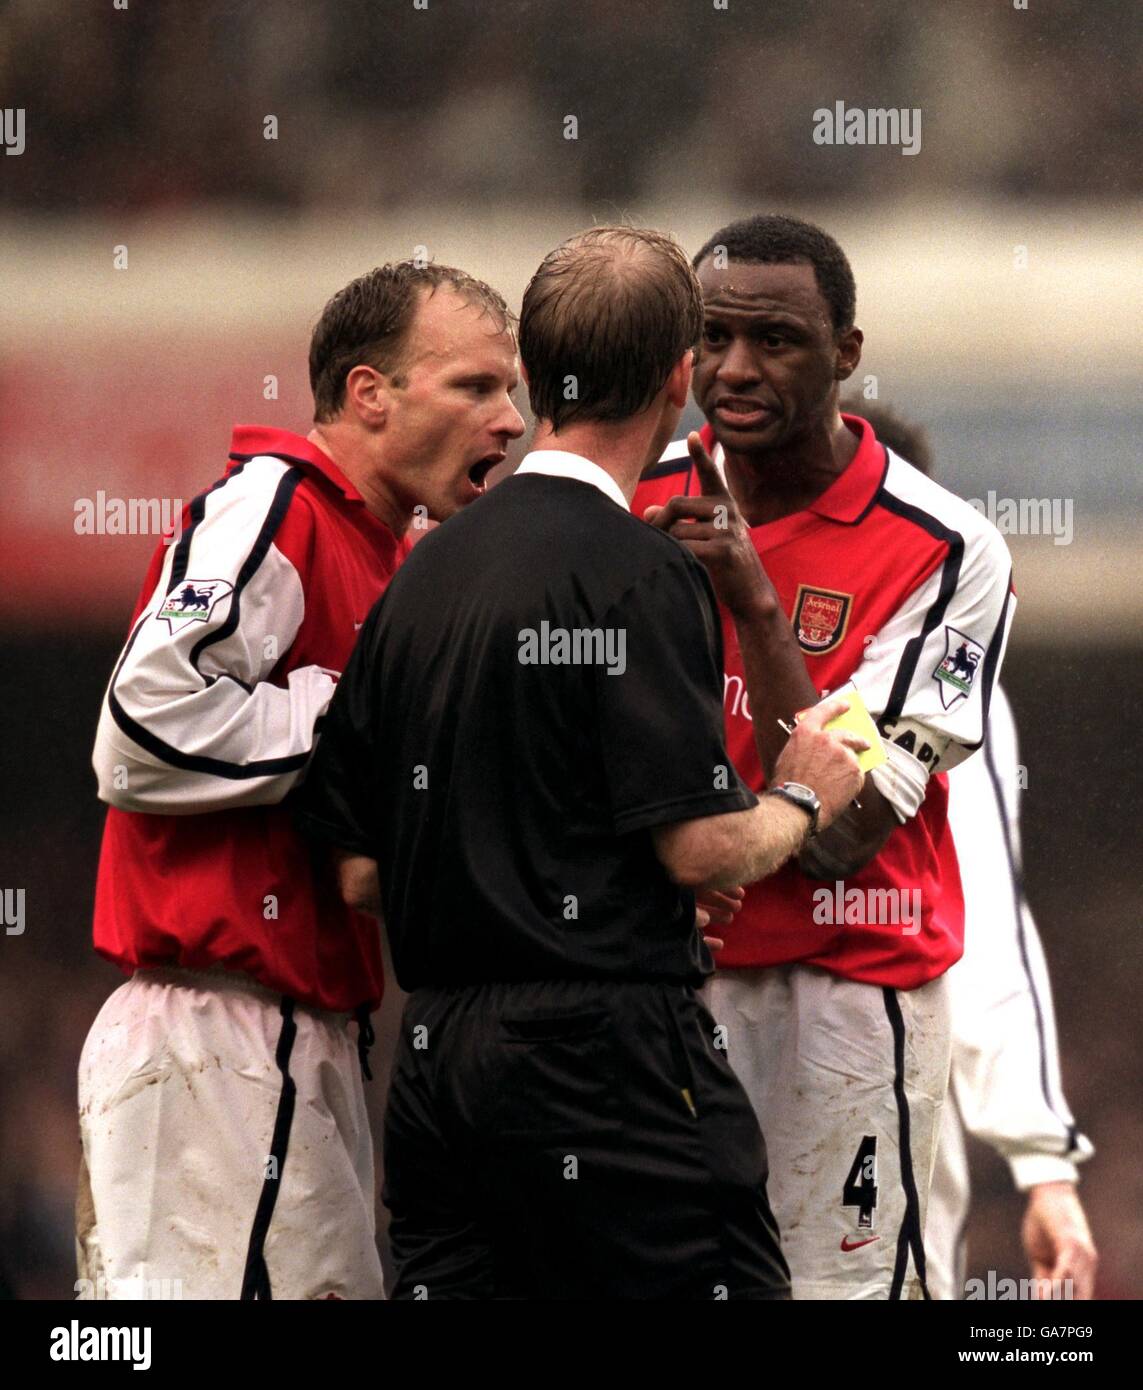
x: 605, y: 319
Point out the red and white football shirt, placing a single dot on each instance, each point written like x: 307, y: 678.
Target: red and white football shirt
x: 898, y: 585
x: 244, y: 622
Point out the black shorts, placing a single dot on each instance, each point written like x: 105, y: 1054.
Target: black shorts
x: 573, y: 1140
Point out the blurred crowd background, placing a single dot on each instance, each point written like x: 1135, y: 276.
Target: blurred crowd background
x: 158, y: 106
x: 163, y: 261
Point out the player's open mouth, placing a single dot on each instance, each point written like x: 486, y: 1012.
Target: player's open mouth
x: 478, y: 473
x: 742, y: 412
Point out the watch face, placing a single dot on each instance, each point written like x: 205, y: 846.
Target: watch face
x: 803, y: 797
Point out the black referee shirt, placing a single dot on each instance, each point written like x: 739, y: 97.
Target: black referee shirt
x: 540, y: 684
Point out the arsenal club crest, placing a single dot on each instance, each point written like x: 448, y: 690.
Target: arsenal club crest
x: 956, y: 673
x: 820, y: 618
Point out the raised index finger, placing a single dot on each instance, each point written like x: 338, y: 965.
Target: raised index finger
x: 709, y: 476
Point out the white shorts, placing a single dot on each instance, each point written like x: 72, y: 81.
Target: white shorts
x: 226, y: 1147
x: 948, y: 1210
x: 848, y: 1082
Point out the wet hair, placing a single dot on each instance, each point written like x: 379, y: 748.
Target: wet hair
x: 772, y: 239
x: 367, y: 323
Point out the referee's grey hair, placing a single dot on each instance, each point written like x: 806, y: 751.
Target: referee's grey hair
x: 605, y: 318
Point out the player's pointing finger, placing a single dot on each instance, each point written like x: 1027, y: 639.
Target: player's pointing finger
x: 709, y: 476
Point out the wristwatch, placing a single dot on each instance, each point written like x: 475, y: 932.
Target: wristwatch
x: 802, y: 797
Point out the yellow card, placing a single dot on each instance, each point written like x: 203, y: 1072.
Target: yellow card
x: 858, y: 720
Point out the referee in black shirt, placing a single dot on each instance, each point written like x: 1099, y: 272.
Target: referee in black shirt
x: 524, y: 762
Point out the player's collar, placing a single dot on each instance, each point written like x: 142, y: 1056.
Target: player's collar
x: 250, y: 441
x: 558, y: 463
x: 851, y: 494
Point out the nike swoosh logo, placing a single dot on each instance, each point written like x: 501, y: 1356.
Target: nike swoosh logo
x: 857, y: 1244
x: 358, y: 626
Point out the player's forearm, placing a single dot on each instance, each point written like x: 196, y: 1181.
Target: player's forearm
x: 779, y: 686
x: 1002, y: 1104
x: 184, y: 752
x: 1005, y: 1064
x: 777, y: 681
x: 855, y: 838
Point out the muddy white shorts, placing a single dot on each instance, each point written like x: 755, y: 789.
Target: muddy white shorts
x: 848, y: 1082
x: 226, y: 1147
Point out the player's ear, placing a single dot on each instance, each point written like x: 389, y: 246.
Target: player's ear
x: 847, y: 353
x: 367, y: 395
x: 679, y: 381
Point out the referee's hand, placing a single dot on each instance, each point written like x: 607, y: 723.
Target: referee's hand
x: 825, y: 760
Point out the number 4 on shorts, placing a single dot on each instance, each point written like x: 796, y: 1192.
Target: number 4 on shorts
x: 860, y: 1188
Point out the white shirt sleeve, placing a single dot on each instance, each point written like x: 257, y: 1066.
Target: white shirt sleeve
x: 190, y: 721
x: 1006, y: 1066
x: 927, y: 677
